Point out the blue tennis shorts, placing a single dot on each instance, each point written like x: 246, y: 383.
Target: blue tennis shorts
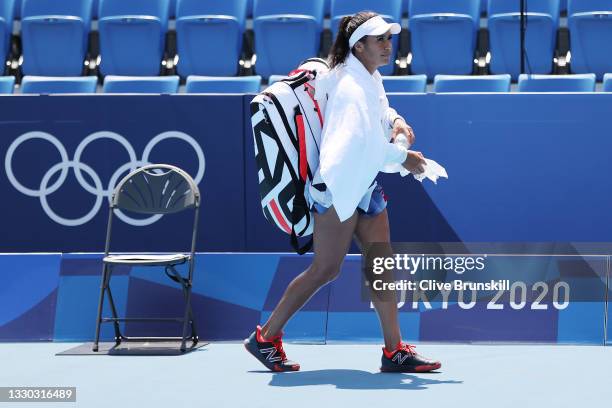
x: 378, y: 202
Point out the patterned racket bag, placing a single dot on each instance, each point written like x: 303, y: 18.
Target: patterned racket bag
x: 287, y: 123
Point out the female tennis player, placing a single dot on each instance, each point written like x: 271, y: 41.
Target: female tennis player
x: 346, y: 199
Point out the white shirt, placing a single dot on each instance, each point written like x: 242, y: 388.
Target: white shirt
x: 355, y: 137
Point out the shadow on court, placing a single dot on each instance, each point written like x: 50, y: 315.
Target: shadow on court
x: 358, y: 380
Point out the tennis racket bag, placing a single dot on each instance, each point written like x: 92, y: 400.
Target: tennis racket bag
x: 287, y: 123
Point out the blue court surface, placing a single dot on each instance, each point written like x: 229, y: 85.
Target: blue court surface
x: 224, y: 375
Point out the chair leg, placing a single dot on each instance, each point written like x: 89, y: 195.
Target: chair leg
x: 100, y: 305
x: 186, y: 317
x: 118, y: 335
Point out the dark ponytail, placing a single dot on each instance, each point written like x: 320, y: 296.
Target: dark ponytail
x: 339, y: 51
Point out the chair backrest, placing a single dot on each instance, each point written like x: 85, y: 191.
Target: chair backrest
x: 540, y: 39
x: 286, y: 32
x: 607, y: 83
x: 551, y: 7
x: 209, y: 36
x: 203, y: 84
x: 54, y: 35
x: 470, y: 83
x: 7, y: 84
x: 78, y: 8
x: 127, y: 84
x: 443, y: 36
x: 314, y: 8
x: 557, y: 83
x: 156, y: 189
x: 155, y: 8
x: 132, y: 36
x: 405, y: 83
x: 391, y: 8
x: 585, y: 6
x: 469, y: 7
x: 55, y: 85
x: 590, y: 26
x: 234, y: 8
x: 7, y: 11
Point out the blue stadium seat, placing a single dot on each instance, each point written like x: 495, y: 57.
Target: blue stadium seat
x: 390, y: 10
x: 17, y: 14
x: 132, y: 84
x: 275, y: 78
x: 286, y: 33
x: 607, y: 83
x: 405, y: 83
x: 172, y: 12
x: 443, y: 36
x: 469, y: 83
x: 540, y: 36
x: 57, y: 85
x: 209, y: 36
x: 132, y: 36
x: 590, y: 26
x: 54, y: 36
x: 557, y: 83
x: 7, y: 10
x: 7, y: 83
x: 203, y: 84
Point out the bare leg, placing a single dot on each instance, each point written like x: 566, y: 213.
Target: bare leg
x: 331, y: 242
x: 376, y: 229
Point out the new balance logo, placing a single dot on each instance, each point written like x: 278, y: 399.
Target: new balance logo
x: 399, y: 358
x: 271, y: 354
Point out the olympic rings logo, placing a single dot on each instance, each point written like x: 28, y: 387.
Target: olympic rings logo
x: 97, y: 189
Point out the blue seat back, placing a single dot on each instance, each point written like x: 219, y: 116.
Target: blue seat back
x: 7, y: 84
x: 7, y: 11
x: 590, y: 26
x: 202, y: 84
x: 209, y: 36
x: 54, y: 36
x: 313, y: 8
x: 390, y: 10
x: 286, y: 33
x: 405, y: 83
x: 557, y: 83
x: 132, y: 36
x: 443, y: 36
x: 607, y: 83
x: 540, y: 38
x: 155, y: 85
x: 468, y: 83
x: 58, y: 85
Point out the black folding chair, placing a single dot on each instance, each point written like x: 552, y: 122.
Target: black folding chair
x: 152, y: 189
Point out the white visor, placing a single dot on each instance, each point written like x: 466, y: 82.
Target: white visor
x: 374, y: 26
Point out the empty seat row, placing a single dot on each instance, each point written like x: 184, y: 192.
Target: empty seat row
x: 252, y: 84
x: 327, y: 7
x: 210, y: 34
x: 497, y: 83
x: 129, y: 84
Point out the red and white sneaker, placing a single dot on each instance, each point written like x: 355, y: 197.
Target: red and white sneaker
x: 404, y: 359
x: 269, y: 351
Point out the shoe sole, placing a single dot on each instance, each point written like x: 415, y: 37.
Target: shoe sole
x: 276, y: 368
x: 416, y: 369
